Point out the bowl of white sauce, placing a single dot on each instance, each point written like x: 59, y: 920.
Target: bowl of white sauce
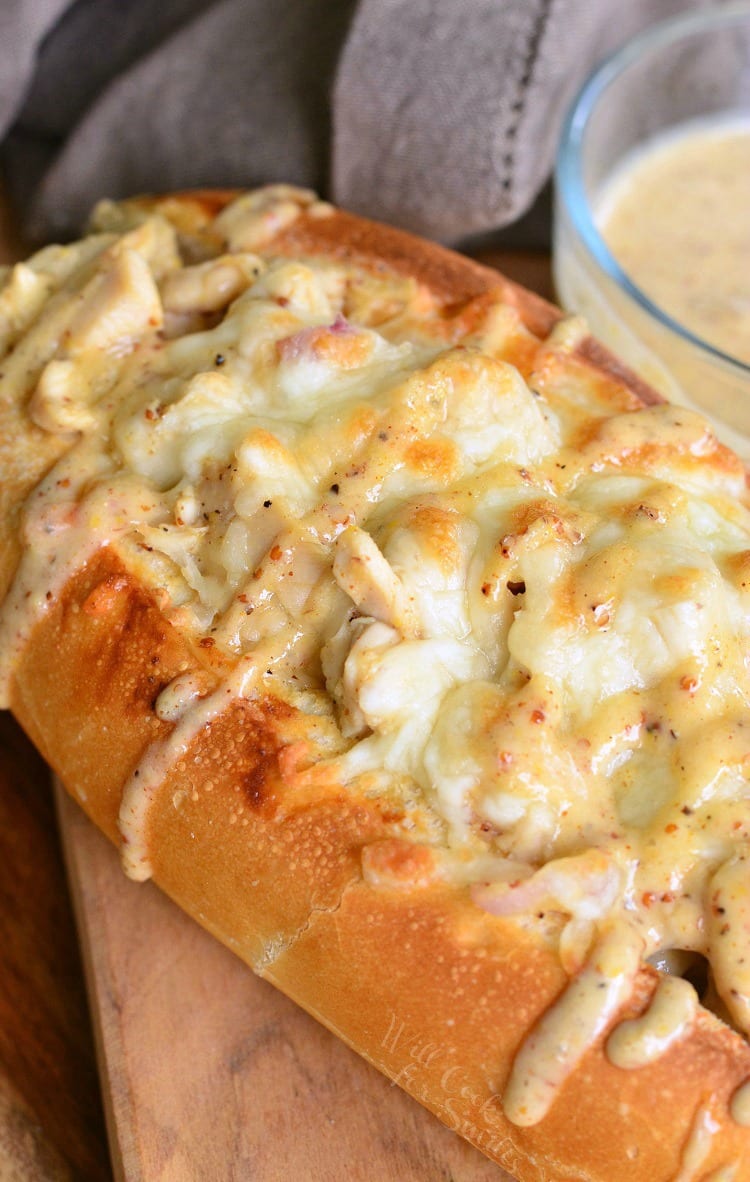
x: 652, y: 211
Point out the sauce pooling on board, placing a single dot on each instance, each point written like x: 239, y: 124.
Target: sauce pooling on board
x: 676, y: 216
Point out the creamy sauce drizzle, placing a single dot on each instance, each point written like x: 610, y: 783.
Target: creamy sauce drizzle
x: 698, y: 1146
x: 147, y: 778
x: 566, y: 1031
x: 175, y: 699
x: 740, y: 1105
x: 62, y: 535
x: 722, y: 1174
x: 642, y: 1040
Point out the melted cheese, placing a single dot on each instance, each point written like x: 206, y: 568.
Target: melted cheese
x: 518, y: 606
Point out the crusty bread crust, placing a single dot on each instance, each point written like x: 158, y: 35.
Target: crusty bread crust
x: 436, y: 993
x: 465, y: 286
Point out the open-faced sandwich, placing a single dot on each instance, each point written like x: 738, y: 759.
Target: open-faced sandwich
x: 402, y: 636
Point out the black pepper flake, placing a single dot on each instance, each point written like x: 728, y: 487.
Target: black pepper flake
x: 267, y: 504
x: 219, y: 359
x: 334, y: 488
x: 516, y: 586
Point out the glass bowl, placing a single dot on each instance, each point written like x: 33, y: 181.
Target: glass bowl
x: 688, y: 70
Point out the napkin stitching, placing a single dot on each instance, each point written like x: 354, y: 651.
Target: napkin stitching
x: 518, y: 104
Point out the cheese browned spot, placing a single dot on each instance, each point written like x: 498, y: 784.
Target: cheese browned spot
x: 513, y: 604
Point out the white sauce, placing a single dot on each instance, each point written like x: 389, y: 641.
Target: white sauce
x: 676, y: 216
x: 564, y: 1034
x: 740, y: 1105
x: 642, y: 1040
x: 697, y: 1146
x: 176, y: 698
x: 148, y: 777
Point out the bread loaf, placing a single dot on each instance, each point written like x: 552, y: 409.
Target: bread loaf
x: 401, y: 635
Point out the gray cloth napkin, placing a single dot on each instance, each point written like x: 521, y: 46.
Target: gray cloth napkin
x: 438, y: 115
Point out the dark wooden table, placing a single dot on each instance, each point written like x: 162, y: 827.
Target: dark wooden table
x: 51, y: 1118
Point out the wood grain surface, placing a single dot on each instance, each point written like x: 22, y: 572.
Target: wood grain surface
x: 210, y: 1073
x: 51, y: 1122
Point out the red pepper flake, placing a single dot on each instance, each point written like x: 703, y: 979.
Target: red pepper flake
x: 647, y: 898
x: 670, y: 828
x: 537, y: 716
x: 689, y: 684
x: 207, y: 642
x: 486, y: 588
x: 275, y: 553
x: 505, y: 758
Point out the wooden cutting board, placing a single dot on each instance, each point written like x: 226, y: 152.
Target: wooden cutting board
x: 211, y: 1074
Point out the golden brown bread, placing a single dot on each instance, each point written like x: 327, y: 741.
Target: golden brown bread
x: 327, y: 887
